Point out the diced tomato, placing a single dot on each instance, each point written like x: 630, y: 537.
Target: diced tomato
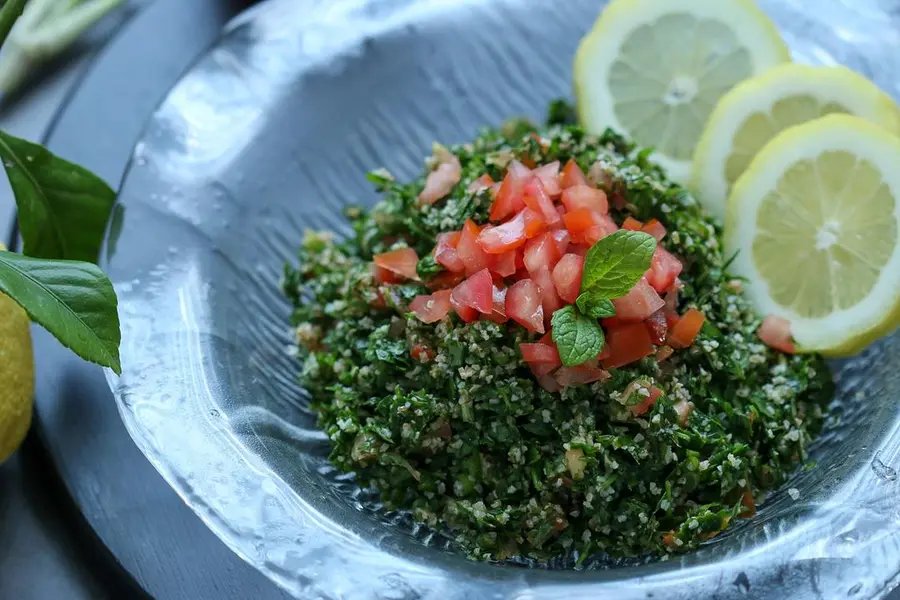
x: 572, y: 175
x: 534, y: 223
x: 475, y: 292
x: 550, y: 300
x: 684, y: 408
x: 445, y: 280
x: 549, y: 176
x: 422, y: 353
x: 632, y: 224
x: 580, y: 375
x: 775, y: 332
x: 441, y: 181
x: 584, y: 196
x: 482, y: 183
x: 401, y: 262
x: 664, y: 353
x: 498, y: 314
x: 664, y: 270
x: 567, y: 277
x: 686, y: 329
x: 671, y: 308
x: 657, y: 326
x: 579, y: 249
x: 639, y: 303
x: 505, y: 237
x: 541, y: 369
x: 587, y: 226
x: 540, y: 252
x: 748, y: 504
x: 548, y: 383
x: 611, y: 322
x: 537, y: 200
x: 523, y: 305
x: 645, y: 406
x: 433, y: 308
x: 562, y: 238
x: 504, y: 264
x: 466, y: 313
x: 445, y: 251
x: 655, y: 228
x: 470, y: 252
x: 627, y: 343
x: 605, y: 353
x: 540, y: 353
x: 383, y: 276
x: 510, y: 198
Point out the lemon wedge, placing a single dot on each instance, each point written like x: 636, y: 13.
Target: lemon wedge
x: 814, y: 221
x: 655, y: 69
x: 756, y: 110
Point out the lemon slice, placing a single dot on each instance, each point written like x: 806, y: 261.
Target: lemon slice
x: 756, y: 110
x: 814, y: 220
x: 655, y: 69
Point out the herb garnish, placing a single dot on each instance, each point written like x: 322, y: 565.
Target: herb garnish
x: 611, y: 268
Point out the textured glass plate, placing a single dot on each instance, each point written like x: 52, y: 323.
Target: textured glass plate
x: 270, y: 133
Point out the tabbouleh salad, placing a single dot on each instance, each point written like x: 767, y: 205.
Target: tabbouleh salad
x: 472, y: 359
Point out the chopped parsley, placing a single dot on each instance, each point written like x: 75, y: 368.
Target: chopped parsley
x: 461, y: 435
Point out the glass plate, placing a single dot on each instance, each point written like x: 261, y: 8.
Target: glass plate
x: 271, y: 132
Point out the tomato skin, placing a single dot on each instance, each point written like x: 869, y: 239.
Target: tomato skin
x: 775, y: 332
x: 482, y: 183
x: 588, y: 227
x: 445, y: 280
x: 645, y: 406
x: 433, y: 308
x: 400, y: 262
x: 655, y: 228
x: 540, y: 353
x: 627, y: 343
x: 445, y: 252
x: 632, y: 224
x: 441, y: 181
x: 584, y: 196
x: 505, y: 237
x: 664, y: 270
x: 475, y: 292
x: 470, y: 252
x: 422, y: 353
x: 550, y: 300
x: 639, y: 303
x: 562, y: 239
x: 534, y: 223
x: 657, y: 326
x: 510, y: 198
x: 567, y: 276
x: 504, y: 264
x: 548, y: 383
x: 686, y: 329
x: 540, y: 252
x: 580, y: 375
x: 498, y: 314
x: 524, y: 305
x: 549, y: 176
x: 537, y: 200
x: 572, y: 175
x: 383, y: 276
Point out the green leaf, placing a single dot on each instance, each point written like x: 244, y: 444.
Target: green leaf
x: 9, y: 14
x: 578, y: 338
x: 72, y: 300
x: 617, y: 262
x: 427, y: 267
x: 597, y: 308
x: 63, y: 208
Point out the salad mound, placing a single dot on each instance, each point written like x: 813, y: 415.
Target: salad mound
x: 537, y: 347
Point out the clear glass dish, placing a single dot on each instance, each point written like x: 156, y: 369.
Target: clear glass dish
x: 271, y: 132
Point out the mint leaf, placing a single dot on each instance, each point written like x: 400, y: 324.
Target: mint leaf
x: 63, y: 208
x: 72, y: 300
x: 617, y: 262
x: 597, y: 308
x: 578, y: 338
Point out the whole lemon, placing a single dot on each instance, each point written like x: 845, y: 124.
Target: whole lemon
x: 16, y: 375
